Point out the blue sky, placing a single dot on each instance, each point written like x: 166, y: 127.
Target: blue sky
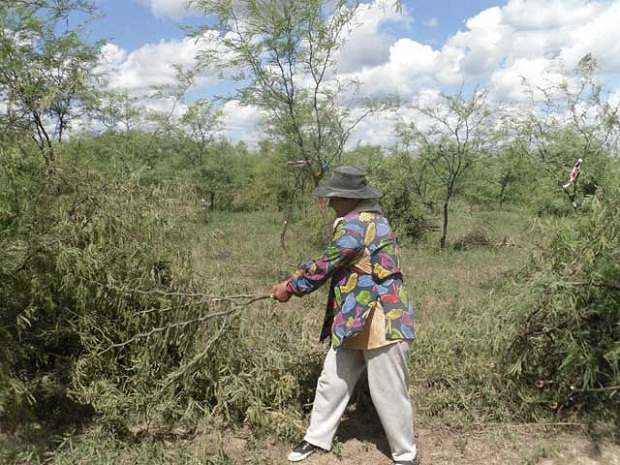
x: 431, y: 46
x: 132, y: 23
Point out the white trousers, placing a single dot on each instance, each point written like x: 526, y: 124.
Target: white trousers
x: 388, y: 381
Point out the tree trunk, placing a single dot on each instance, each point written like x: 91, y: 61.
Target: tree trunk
x: 289, y: 216
x: 444, y: 233
x: 444, y: 230
x: 326, y: 223
x: 316, y: 178
x: 502, y: 193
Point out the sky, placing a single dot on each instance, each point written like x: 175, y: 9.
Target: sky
x: 428, y: 47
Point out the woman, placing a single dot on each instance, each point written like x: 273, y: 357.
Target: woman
x: 368, y: 317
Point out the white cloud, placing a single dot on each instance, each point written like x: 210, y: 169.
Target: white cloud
x: 525, y: 39
x: 410, y: 65
x: 368, y: 44
x: 526, y: 15
x: 242, y: 123
x: 600, y: 36
x: 112, y: 54
x: 533, y: 44
x: 500, y: 47
x: 151, y: 64
x: 614, y: 98
x: 110, y: 57
x: 532, y: 41
x: 509, y: 83
x: 169, y: 107
x: 174, y: 9
x: 476, y: 52
x: 449, y: 65
x: 374, y: 130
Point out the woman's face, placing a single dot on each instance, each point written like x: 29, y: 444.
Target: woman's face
x: 341, y: 205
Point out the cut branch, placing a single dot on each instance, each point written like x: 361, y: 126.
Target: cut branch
x: 609, y: 284
x: 181, y: 324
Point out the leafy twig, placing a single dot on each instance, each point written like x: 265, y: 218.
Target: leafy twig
x: 234, y: 299
x: 181, y: 324
x: 609, y: 284
x: 601, y: 389
x: 196, y: 359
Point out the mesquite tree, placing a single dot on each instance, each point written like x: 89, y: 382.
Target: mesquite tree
x: 573, y: 118
x: 283, y: 54
x: 560, y: 325
x: 46, y: 69
x: 450, y: 137
x: 119, y: 110
x: 201, y: 122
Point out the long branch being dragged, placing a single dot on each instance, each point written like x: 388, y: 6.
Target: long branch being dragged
x: 234, y: 302
x: 239, y: 299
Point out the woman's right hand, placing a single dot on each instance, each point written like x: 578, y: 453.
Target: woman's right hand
x: 280, y: 293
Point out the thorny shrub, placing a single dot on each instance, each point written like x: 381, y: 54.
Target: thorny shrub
x: 562, y: 349
x: 62, y: 243
x: 102, y: 316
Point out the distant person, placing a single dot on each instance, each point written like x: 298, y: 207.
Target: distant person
x: 369, y: 318
x: 572, y: 181
x: 574, y: 174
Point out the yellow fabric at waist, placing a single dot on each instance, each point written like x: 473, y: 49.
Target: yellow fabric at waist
x: 372, y: 335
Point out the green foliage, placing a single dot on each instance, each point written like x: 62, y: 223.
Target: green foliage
x: 508, y: 177
x: 454, y: 377
x: 403, y: 198
x: 562, y: 349
x: 60, y: 249
x: 235, y: 181
x: 459, y: 135
x: 104, y: 312
x: 546, y: 196
x: 46, y: 72
x: 553, y: 204
x: 116, y: 255
x: 574, y: 120
x: 269, y: 45
x: 407, y: 191
x: 225, y: 177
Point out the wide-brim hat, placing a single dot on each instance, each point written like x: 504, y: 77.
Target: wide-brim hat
x: 348, y: 182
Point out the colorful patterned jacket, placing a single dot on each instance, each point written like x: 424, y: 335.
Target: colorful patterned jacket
x: 362, y: 261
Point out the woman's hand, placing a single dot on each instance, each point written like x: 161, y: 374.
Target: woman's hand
x: 279, y: 292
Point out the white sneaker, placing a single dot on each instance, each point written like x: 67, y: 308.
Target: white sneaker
x: 302, y: 451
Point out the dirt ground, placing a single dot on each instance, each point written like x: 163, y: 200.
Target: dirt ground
x: 362, y: 442
x: 502, y: 445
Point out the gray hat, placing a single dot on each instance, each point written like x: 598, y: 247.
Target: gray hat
x: 348, y: 182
